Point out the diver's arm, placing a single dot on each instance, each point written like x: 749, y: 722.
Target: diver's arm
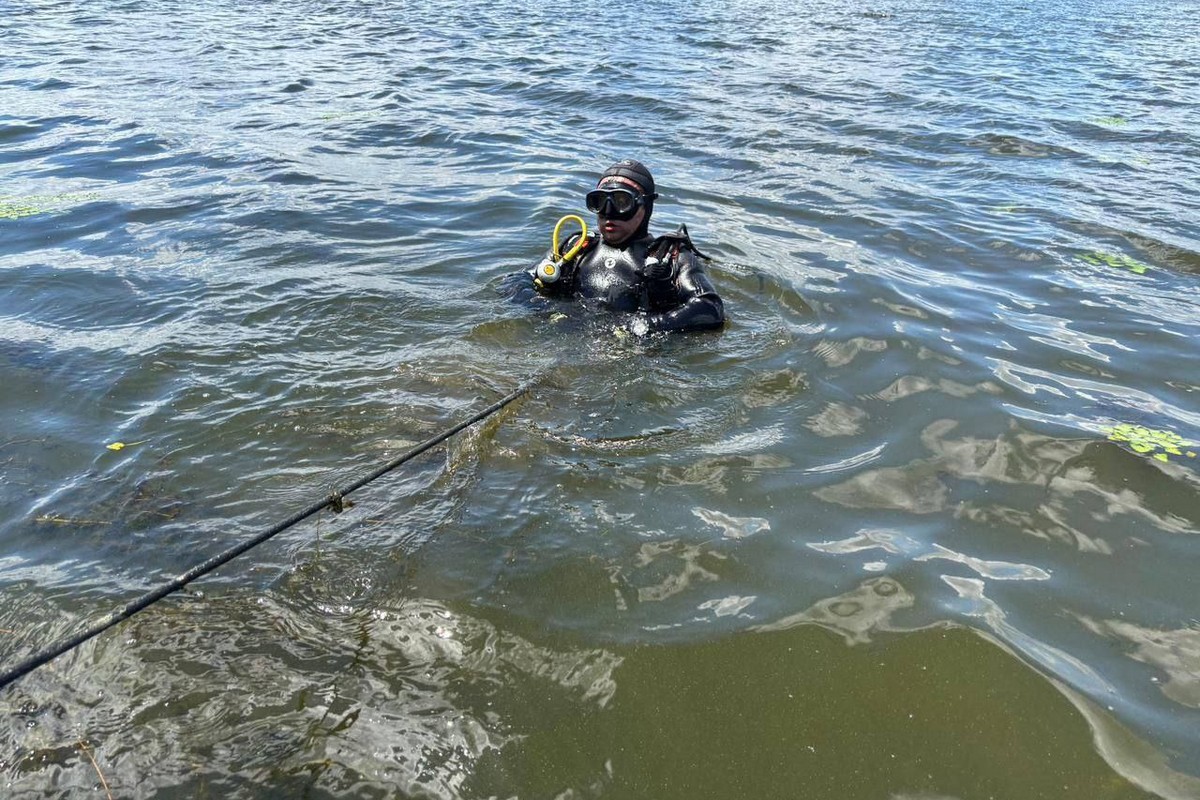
x: 700, y: 307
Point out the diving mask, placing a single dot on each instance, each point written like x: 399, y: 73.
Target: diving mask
x: 617, y: 203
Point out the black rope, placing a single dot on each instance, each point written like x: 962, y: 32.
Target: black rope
x: 151, y: 597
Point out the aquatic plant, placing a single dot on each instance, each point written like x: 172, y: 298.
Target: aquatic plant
x: 11, y: 210
x: 1100, y: 258
x: 1147, y: 441
x: 19, y: 207
x: 1112, y: 122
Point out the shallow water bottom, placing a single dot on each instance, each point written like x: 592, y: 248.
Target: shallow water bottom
x: 942, y: 713
x: 425, y: 702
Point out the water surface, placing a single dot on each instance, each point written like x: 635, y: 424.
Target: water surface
x: 921, y: 522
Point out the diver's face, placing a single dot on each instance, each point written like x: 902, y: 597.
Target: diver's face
x: 616, y: 231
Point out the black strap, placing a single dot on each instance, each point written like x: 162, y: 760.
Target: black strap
x: 680, y: 238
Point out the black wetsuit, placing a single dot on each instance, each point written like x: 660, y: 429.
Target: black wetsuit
x: 674, y: 295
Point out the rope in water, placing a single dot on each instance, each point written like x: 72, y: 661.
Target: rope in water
x: 334, y: 500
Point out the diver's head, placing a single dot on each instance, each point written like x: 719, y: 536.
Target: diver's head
x: 623, y: 201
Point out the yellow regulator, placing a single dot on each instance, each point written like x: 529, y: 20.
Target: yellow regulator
x: 551, y: 268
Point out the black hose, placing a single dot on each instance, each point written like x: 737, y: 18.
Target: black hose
x: 153, y: 596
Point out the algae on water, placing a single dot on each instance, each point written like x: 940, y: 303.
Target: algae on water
x: 1148, y: 441
x: 20, y: 207
x: 1100, y: 258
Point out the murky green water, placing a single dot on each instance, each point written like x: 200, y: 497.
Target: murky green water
x: 920, y: 523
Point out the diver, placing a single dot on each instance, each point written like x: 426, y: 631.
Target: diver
x: 658, y: 281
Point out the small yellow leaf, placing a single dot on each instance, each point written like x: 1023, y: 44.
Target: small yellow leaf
x: 123, y: 445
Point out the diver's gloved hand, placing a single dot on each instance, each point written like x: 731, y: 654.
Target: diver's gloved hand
x: 656, y: 268
x: 636, y: 325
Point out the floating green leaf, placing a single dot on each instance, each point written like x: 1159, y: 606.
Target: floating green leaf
x: 1112, y: 122
x: 19, y: 207
x: 1148, y: 441
x: 16, y: 210
x: 1100, y: 258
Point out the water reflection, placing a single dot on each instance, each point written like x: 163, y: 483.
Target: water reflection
x: 1056, y: 661
x: 690, y: 569
x: 955, y: 249
x: 1132, y: 757
x: 719, y: 475
x: 915, y: 489
x: 353, y: 699
x: 837, y: 419
x: 899, y: 544
x: 732, y: 527
x: 1062, y: 469
x: 856, y: 614
x: 1175, y: 652
x: 727, y: 606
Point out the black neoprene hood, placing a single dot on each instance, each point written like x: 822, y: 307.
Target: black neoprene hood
x: 635, y: 171
x: 632, y: 170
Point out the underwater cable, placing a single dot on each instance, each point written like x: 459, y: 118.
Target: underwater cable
x: 334, y: 501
